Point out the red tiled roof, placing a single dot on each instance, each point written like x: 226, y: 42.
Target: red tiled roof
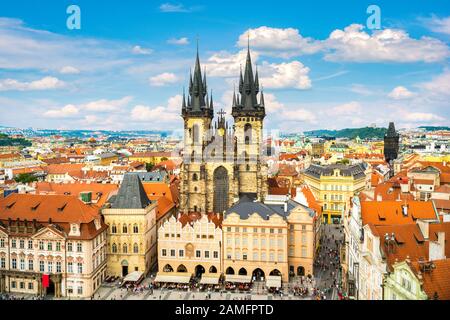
x: 437, y: 280
x: 391, y: 212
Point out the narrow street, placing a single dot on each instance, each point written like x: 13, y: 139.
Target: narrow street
x: 326, y: 267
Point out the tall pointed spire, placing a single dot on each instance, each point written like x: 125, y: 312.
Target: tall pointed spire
x: 211, y: 103
x: 247, y: 100
x: 184, y: 100
x: 198, y: 100
x: 261, y: 101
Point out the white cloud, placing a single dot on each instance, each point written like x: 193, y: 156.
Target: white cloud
x: 299, y: 115
x: 279, y: 42
x: 105, y: 105
x: 156, y: 114
x: 45, y: 83
x: 225, y: 64
x: 440, y: 85
x: 347, y: 109
x: 421, y: 117
x: 180, y: 41
x: 361, y: 89
x: 271, y: 103
x: 22, y: 47
x: 69, y: 70
x: 174, y: 103
x: 177, y: 7
x: 388, y: 45
x: 439, y: 25
x: 141, y: 51
x: 286, y: 75
x: 163, y: 79
x: 67, y: 111
x: 400, y: 93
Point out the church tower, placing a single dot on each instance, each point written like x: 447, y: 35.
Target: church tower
x: 197, y: 113
x: 249, y: 112
x: 222, y: 163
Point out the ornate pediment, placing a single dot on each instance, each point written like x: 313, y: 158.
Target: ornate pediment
x: 48, y: 233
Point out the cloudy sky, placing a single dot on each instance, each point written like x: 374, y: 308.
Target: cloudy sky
x: 320, y: 64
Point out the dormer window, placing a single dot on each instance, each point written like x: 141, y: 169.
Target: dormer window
x: 74, y: 229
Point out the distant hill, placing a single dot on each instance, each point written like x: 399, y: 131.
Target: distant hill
x: 430, y: 128
x: 351, y: 133
x: 6, y: 141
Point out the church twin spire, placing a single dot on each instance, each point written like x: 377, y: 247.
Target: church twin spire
x: 244, y: 104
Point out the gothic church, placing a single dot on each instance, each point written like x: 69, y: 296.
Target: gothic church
x: 222, y: 163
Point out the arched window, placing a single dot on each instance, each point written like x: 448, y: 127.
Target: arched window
x: 248, y: 167
x: 125, y: 248
x: 113, y: 228
x: 114, y: 248
x: 124, y: 229
x: 248, y: 133
x: 195, y: 133
x: 192, y: 156
x: 195, y: 177
x: 135, y: 248
x: 195, y: 208
x: 135, y: 228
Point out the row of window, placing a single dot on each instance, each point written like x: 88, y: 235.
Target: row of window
x: 23, y: 265
x: 198, y: 253
x: 50, y: 246
x: 333, y: 187
x: 334, y: 197
x: 255, y: 230
x: 125, y: 228
x: 115, y: 247
x: 256, y: 256
x: 256, y: 241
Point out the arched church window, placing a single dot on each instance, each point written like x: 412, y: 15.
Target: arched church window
x: 124, y: 229
x: 114, y: 248
x: 195, y: 177
x: 195, y: 132
x: 125, y: 248
x: 248, y: 133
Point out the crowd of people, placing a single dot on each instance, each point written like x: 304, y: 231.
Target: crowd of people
x: 13, y: 297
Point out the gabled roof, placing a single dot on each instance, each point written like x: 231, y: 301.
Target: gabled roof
x: 131, y: 194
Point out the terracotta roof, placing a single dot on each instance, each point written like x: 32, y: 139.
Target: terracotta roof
x: 443, y: 189
x: 27, y: 170
x: 424, y: 181
x: 408, y: 242
x: 390, y: 190
x: 9, y: 156
x: 77, y: 188
x: 312, y: 201
x: 437, y: 280
x: 391, y: 212
x: 64, y: 168
x: 56, y: 160
x: 194, y: 216
x: 442, y: 204
x: 287, y: 170
x: 168, y: 165
x: 151, y: 154
x: 62, y: 210
x: 283, y: 191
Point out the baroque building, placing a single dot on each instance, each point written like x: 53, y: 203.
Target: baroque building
x: 222, y: 163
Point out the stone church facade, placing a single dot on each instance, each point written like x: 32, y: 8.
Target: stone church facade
x: 222, y: 162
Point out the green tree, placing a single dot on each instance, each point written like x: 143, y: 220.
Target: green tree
x: 25, y: 178
x: 149, y: 166
x: 164, y: 159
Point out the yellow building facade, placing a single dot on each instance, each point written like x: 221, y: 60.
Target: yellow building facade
x: 334, y: 185
x: 132, y: 233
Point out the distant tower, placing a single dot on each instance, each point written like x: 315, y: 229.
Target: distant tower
x: 391, y: 143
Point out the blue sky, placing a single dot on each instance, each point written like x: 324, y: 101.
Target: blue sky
x: 321, y: 66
